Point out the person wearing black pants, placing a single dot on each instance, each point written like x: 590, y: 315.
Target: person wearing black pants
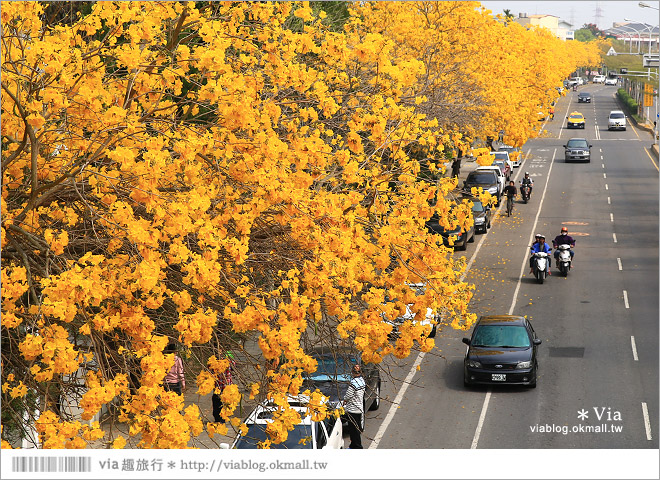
x: 354, y: 406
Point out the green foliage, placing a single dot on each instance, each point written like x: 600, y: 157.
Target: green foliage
x: 629, y: 103
x: 584, y: 35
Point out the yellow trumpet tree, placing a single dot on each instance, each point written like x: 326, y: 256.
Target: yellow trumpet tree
x: 216, y: 174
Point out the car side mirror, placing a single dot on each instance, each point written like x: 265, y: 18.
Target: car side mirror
x: 590, y: 146
x: 466, y: 341
x: 537, y: 341
x: 564, y: 146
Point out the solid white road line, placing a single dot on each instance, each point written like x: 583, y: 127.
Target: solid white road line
x: 625, y: 299
x: 618, y: 260
x: 614, y: 237
x: 480, y: 425
x: 397, y: 401
x: 647, y: 422
x: 634, y: 348
x: 484, y: 408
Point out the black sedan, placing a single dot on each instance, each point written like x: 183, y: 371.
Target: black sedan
x: 333, y: 375
x: 502, y: 349
x: 460, y: 236
x: 577, y: 149
x: 481, y: 213
x: 584, y: 97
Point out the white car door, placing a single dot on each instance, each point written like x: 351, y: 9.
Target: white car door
x: 335, y: 437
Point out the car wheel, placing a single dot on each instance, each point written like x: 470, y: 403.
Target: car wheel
x: 363, y: 419
x: 471, y: 238
x: 431, y: 334
x: 376, y: 403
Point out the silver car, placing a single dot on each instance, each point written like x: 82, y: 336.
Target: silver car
x: 616, y: 120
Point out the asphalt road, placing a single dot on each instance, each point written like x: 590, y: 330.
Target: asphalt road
x: 599, y: 326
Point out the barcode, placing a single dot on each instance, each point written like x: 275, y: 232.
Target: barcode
x: 51, y: 464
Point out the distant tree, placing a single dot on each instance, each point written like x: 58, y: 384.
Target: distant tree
x: 584, y: 35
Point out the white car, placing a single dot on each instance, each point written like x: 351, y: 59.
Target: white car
x: 308, y: 434
x: 431, y: 319
x: 616, y: 120
x: 509, y: 149
x: 500, y: 176
x: 504, y: 155
x: 611, y: 81
x: 599, y: 79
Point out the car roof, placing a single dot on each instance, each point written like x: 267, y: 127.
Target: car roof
x: 616, y: 111
x: 577, y: 138
x: 575, y: 113
x: 501, y: 320
x: 263, y: 413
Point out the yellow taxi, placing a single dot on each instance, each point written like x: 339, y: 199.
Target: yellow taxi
x: 575, y: 120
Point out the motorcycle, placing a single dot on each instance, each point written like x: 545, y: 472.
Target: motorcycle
x: 540, y: 266
x: 525, y: 192
x: 564, y: 260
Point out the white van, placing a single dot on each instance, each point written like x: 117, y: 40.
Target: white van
x: 616, y: 120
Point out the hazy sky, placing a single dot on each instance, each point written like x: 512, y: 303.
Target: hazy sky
x: 580, y: 12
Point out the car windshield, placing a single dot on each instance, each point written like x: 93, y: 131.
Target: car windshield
x: 501, y: 155
x: 299, y: 437
x: 482, y: 177
x: 512, y: 336
x: 577, y: 144
x: 584, y: 94
x: 477, y: 207
x: 330, y: 367
x: 617, y: 115
x: 576, y: 116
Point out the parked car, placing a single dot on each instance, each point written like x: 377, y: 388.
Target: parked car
x: 611, y: 81
x: 484, y: 179
x: 502, y: 349
x: 333, y: 374
x: 481, y: 213
x: 308, y: 434
x: 457, y: 237
x: 500, y: 176
x: 515, y: 154
x: 575, y: 120
x: 504, y: 168
x: 505, y: 156
x: 577, y: 149
x: 616, y: 120
x: 584, y: 97
x: 599, y: 79
x: 430, y: 321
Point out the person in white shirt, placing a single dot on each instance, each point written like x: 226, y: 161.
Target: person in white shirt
x: 354, y: 406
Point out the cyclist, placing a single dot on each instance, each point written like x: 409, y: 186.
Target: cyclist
x: 510, y: 191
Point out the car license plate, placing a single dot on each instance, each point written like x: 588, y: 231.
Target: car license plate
x: 499, y: 377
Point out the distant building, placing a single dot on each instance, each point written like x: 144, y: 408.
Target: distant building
x: 639, y: 37
x: 559, y: 28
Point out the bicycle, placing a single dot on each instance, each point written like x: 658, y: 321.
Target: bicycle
x: 509, y: 206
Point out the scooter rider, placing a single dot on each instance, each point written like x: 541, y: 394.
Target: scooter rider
x: 528, y: 181
x: 539, y: 246
x: 563, y: 239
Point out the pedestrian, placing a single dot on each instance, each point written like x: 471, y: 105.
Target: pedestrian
x: 354, y: 406
x: 175, y: 380
x: 222, y: 380
x: 456, y: 167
